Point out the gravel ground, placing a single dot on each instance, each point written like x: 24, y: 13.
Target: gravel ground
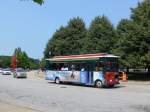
x: 35, y: 94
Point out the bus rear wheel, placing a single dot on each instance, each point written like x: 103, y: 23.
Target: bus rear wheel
x: 98, y: 84
x: 57, y: 81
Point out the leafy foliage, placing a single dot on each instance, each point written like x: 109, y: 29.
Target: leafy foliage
x: 39, y: 1
x: 130, y: 40
x: 43, y: 63
x: 100, y: 36
x: 5, y: 61
x: 24, y: 61
x: 134, y: 42
x: 141, y: 18
x: 76, y: 39
x: 67, y: 40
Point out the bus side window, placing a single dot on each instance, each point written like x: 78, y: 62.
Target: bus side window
x: 82, y: 69
x: 98, y: 67
x: 73, y: 67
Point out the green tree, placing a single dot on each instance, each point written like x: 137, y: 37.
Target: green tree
x: 131, y: 39
x: 141, y: 18
x: 39, y: 1
x: 18, y: 54
x: 129, y: 44
x: 124, y: 46
x: 134, y: 37
x: 55, y: 44
x: 34, y: 63
x: 100, y: 36
x: 67, y: 40
x: 76, y: 34
x: 24, y: 61
x: 43, y: 63
x: 5, y: 61
x: 22, y: 58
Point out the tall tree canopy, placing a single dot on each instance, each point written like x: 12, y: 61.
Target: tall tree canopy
x: 24, y: 61
x: 141, y: 18
x: 22, y: 58
x: 75, y: 39
x: 134, y: 37
x: 5, y: 61
x: 125, y: 46
x: 100, y: 36
x: 39, y: 1
x: 130, y: 39
x: 67, y: 40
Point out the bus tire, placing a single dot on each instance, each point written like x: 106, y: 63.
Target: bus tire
x: 98, y: 84
x: 57, y: 81
x: 111, y: 86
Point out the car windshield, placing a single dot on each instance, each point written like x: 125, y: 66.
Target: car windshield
x: 20, y: 70
x: 6, y: 69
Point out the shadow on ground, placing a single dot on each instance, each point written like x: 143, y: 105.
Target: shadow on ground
x: 64, y: 85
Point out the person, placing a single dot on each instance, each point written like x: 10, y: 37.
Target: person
x: 82, y: 69
x: 66, y: 68
x: 62, y: 68
x: 73, y: 67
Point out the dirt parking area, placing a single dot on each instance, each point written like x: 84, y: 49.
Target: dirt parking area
x: 35, y: 94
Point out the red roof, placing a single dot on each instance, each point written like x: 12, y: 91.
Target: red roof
x: 83, y: 56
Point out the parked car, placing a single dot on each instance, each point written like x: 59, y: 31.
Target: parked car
x: 1, y: 70
x: 20, y: 73
x: 6, y: 71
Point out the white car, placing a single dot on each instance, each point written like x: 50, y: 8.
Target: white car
x: 6, y: 72
x: 1, y: 70
x: 20, y: 73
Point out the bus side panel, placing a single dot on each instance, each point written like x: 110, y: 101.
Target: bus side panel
x: 50, y: 75
x: 67, y: 76
x: 74, y: 76
x: 98, y: 76
x: 62, y: 75
x: 84, y: 77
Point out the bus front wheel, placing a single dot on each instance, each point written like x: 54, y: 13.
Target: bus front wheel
x: 98, y: 84
x: 57, y: 81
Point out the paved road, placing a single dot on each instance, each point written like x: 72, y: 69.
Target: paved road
x: 40, y: 96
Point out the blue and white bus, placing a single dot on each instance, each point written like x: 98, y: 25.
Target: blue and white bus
x: 100, y: 70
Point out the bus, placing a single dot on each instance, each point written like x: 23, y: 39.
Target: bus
x: 99, y: 70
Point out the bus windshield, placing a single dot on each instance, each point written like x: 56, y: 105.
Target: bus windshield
x: 110, y: 64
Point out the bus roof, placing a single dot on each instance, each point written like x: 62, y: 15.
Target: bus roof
x: 83, y: 57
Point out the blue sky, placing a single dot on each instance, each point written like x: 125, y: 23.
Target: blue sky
x: 29, y: 26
